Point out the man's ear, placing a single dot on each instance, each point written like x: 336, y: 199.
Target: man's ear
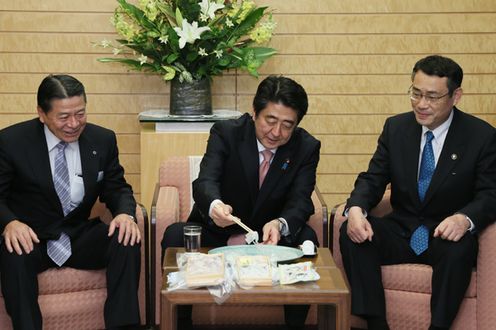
x: 41, y: 114
x: 458, y: 95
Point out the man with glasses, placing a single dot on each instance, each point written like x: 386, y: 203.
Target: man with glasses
x: 441, y: 165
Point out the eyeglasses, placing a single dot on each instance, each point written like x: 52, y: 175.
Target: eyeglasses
x: 416, y: 96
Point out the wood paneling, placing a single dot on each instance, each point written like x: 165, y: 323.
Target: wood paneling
x: 353, y: 57
x: 282, y: 6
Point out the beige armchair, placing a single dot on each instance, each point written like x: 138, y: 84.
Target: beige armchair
x: 408, y: 286
x: 172, y: 202
x: 73, y: 299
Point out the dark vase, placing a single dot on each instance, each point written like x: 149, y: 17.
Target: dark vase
x: 190, y: 99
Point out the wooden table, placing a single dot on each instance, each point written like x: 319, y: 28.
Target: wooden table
x: 327, y: 293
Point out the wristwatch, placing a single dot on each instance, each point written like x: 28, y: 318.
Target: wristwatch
x: 132, y: 218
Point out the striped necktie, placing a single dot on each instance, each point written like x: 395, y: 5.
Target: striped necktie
x: 60, y: 250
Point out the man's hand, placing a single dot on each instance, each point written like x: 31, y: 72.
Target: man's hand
x: 18, y: 236
x: 271, y: 234
x: 452, y: 228
x: 359, y: 229
x: 221, y: 214
x: 128, y: 229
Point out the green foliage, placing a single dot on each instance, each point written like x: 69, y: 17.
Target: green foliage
x: 190, y: 39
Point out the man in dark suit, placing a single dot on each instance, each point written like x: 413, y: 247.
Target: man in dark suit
x: 52, y: 170
x: 229, y: 181
x: 441, y: 164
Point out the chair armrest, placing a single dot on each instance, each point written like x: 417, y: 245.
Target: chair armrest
x: 164, y: 211
x: 319, y: 220
x: 144, y: 226
x: 337, y: 220
x: 486, y: 268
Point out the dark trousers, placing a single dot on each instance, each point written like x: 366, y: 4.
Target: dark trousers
x: 451, y: 262
x: 294, y: 315
x: 93, y: 249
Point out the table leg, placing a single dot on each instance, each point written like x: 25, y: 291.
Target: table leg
x: 325, y: 317
x: 343, y: 314
x: 168, y: 318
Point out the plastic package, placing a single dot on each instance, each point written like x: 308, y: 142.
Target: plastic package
x: 299, y: 272
x: 221, y: 273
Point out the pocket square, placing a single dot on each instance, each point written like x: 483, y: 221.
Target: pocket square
x: 99, y: 177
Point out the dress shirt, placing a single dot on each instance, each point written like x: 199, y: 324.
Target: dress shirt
x: 73, y: 159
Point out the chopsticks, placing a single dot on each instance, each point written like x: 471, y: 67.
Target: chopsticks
x: 252, y: 236
x: 241, y: 224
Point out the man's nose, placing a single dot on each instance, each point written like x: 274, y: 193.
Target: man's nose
x: 276, y: 131
x: 72, y: 122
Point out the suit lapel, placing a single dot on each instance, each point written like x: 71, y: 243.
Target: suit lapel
x: 40, y: 163
x: 89, y: 163
x: 452, y: 151
x: 279, y: 165
x: 411, y: 159
x: 248, y: 154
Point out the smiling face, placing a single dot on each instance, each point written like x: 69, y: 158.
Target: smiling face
x: 434, y: 113
x: 275, y: 124
x: 66, y: 119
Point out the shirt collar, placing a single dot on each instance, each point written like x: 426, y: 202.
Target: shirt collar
x: 262, y: 148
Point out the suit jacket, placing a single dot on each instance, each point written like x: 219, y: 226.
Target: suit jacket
x: 27, y: 192
x: 464, y: 180
x: 229, y: 172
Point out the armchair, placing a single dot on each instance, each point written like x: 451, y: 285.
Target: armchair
x: 172, y: 202
x: 73, y: 299
x: 408, y: 286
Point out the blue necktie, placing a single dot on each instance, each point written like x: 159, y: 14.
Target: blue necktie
x: 60, y: 250
x: 427, y: 166
x: 420, y: 237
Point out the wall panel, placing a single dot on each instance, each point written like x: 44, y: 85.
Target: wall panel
x: 353, y: 57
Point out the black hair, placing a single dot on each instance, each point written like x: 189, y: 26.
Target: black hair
x: 58, y: 87
x: 436, y: 65
x: 279, y: 89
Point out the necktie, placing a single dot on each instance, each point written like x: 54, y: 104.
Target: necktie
x: 427, y: 166
x: 60, y: 250
x: 264, y: 166
x: 420, y: 237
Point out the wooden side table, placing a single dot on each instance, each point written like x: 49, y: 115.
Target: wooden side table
x: 330, y: 293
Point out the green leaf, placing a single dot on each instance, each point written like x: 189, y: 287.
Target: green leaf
x: 167, y: 10
x: 171, y: 58
x: 192, y: 56
x: 179, y: 17
x: 249, y: 22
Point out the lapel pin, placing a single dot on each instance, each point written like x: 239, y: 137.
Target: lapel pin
x: 94, y: 152
x: 454, y: 156
x: 285, y: 165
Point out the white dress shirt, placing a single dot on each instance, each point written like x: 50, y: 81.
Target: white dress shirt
x: 73, y: 159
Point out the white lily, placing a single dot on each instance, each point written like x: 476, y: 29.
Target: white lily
x: 189, y: 32
x: 209, y: 8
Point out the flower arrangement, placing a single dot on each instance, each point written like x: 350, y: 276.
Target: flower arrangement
x: 191, y: 39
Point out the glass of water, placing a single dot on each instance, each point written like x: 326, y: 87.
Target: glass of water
x: 192, y: 238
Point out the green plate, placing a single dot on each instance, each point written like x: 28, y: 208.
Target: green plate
x: 281, y: 254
